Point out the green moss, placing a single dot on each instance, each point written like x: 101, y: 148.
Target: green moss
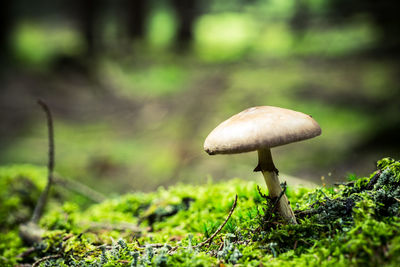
x: 354, y: 224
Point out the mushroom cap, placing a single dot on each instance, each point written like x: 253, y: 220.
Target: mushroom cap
x: 260, y: 127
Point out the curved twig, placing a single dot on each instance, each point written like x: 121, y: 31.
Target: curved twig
x: 220, y: 227
x: 37, y: 213
x: 79, y: 188
x: 36, y: 263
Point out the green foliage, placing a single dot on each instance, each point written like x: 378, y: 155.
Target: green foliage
x: 146, y: 83
x: 37, y: 45
x: 161, y: 29
x: 224, y: 37
x: 20, y: 186
x: 354, y: 224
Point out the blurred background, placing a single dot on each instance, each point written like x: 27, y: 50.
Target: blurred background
x: 136, y: 86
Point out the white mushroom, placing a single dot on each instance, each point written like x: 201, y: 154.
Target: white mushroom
x: 262, y: 128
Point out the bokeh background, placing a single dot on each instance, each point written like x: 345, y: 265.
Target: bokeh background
x: 136, y: 86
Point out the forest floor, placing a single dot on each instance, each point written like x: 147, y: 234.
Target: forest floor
x: 352, y: 224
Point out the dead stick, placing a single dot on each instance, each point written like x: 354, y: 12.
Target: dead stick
x: 80, y: 189
x: 220, y: 227
x: 37, y: 213
x: 277, y: 201
x: 27, y: 252
x: 36, y: 263
x: 279, y: 197
x: 117, y: 226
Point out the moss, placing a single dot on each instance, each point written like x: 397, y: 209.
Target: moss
x: 354, y: 224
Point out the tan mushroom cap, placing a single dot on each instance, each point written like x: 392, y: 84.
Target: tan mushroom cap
x: 260, y: 127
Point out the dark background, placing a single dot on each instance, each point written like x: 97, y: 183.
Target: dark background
x: 136, y: 86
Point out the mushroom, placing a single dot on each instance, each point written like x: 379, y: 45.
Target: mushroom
x: 262, y: 128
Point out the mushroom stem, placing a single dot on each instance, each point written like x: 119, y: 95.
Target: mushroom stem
x: 270, y: 172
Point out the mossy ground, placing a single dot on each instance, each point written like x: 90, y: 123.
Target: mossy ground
x: 351, y: 224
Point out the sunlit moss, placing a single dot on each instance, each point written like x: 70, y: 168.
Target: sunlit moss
x: 353, y: 224
x: 20, y: 186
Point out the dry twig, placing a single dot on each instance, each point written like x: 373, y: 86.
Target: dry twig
x: 274, y: 207
x: 37, y: 213
x: 30, y: 232
x: 27, y: 252
x: 279, y: 197
x: 117, y: 226
x: 36, y: 263
x: 220, y: 227
x: 79, y: 188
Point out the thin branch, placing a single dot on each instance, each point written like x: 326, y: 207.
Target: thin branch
x: 279, y: 197
x: 305, y: 212
x: 264, y: 196
x: 4, y: 258
x: 373, y: 180
x: 37, y: 213
x: 50, y: 130
x: 80, y: 189
x: 37, y: 263
x: 117, y: 226
x: 27, y: 252
x: 275, y: 206
x: 220, y: 227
